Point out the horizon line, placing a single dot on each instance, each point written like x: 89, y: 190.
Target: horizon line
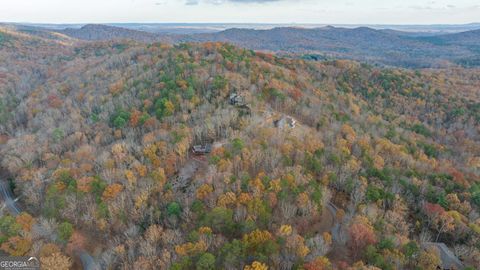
x: 251, y: 23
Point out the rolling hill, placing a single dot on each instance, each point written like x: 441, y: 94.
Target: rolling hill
x: 323, y: 164
x: 381, y: 47
x: 105, y: 32
x: 391, y: 48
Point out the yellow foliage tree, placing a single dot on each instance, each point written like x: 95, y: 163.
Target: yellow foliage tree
x: 130, y: 177
x: 343, y: 146
x: 141, y: 170
x: 169, y: 108
x: 116, y: 87
x: 256, y: 238
x: 48, y: 249
x: 191, y: 248
x: 226, y: 199
x: 205, y: 230
x: 154, y: 233
x: 327, y: 237
x: 275, y: 185
x: 56, y: 261
x: 296, y: 243
x: 244, y: 198
x: 25, y: 220
x: 223, y: 165
x: 348, y: 133
x: 182, y: 84
x: 159, y: 177
x: 378, y: 162
x: 119, y: 151
x: 355, y: 109
x: 111, y: 191
x: 365, y: 144
x: 141, y: 199
x: 150, y: 152
x: 256, y: 266
x: 203, y: 191
x: 257, y: 187
x: 429, y: 259
x: 303, y: 199
x: 17, y: 246
x: 285, y: 230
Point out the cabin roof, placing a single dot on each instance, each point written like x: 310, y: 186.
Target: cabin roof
x: 202, y: 148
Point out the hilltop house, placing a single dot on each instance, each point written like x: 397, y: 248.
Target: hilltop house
x: 202, y: 149
x: 285, y: 122
x: 236, y: 100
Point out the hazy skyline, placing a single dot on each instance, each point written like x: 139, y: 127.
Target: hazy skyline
x: 242, y: 11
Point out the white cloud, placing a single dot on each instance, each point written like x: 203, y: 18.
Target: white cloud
x: 191, y: 2
x: 243, y: 11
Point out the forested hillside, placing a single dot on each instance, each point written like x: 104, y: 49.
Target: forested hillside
x: 388, y: 48
x: 384, y: 47
x: 325, y: 165
x: 104, y: 32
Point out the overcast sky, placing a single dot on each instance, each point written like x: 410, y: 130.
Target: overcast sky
x: 243, y: 11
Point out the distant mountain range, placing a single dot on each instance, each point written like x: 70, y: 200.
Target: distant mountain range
x: 195, y: 28
x: 386, y: 47
x: 106, y: 32
x: 375, y: 46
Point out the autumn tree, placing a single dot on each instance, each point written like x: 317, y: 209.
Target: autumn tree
x: 17, y: 246
x: 256, y: 266
x: 56, y: 261
x: 361, y: 234
x: 111, y: 191
x: 429, y: 259
x: 319, y: 263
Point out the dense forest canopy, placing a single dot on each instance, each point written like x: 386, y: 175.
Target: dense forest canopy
x: 327, y: 165
x: 380, y: 45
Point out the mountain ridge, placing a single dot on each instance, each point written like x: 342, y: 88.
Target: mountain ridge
x: 105, y: 32
x: 382, y: 47
x: 362, y: 43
